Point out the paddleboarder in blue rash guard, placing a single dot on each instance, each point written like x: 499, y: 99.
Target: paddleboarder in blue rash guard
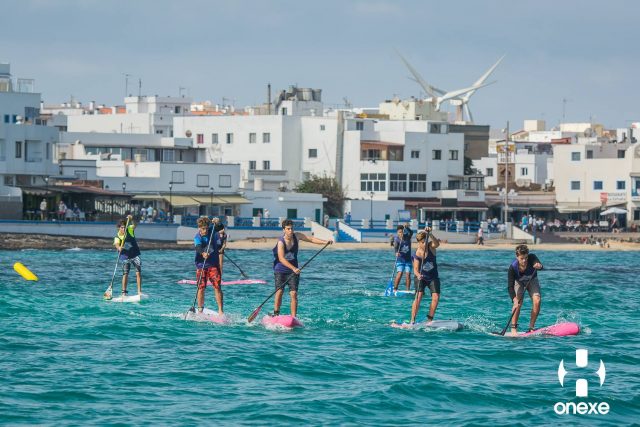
x: 425, y: 268
x: 522, y: 272
x: 285, y: 264
x: 126, y: 244
x: 402, y: 248
x: 207, y: 262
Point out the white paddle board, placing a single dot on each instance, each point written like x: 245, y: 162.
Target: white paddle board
x: 129, y: 298
x: 446, y: 325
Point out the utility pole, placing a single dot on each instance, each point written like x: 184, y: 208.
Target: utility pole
x: 126, y: 84
x: 506, y: 176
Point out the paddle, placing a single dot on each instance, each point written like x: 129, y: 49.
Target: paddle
x: 257, y: 310
x: 193, y: 306
x: 244, y: 276
x: 108, y: 294
x: 389, y: 289
x: 513, y: 310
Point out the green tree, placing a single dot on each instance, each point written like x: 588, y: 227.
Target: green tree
x: 330, y: 189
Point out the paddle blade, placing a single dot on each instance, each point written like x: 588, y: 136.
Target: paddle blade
x: 254, y: 314
x: 389, y: 290
x: 108, y: 294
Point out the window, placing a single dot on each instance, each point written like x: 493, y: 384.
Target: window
x: 313, y: 153
x: 168, y: 155
x: 524, y: 171
x: 415, y: 154
x: 620, y: 185
x: 283, y: 111
x: 434, y: 128
x: 80, y: 174
x: 7, y: 118
x: 252, y: 165
x: 437, y: 154
x: 396, y: 154
x: 18, y: 149
x: 489, y: 172
x: 177, y: 177
x: 589, y: 154
x: 359, y: 125
x: 252, y: 138
x: 202, y: 180
x: 575, y: 156
x: 322, y: 127
x: 266, y: 165
x: 597, y: 185
x: 436, y: 185
x: 224, y: 181
x: 229, y: 138
x: 373, y: 182
x: 453, y: 154
x: 200, y: 138
x: 214, y: 138
x: 14, y: 118
x: 176, y: 109
x: 266, y: 137
x: 47, y: 148
x: 397, y: 182
x: 417, y: 182
x: 636, y: 215
x: 370, y: 154
x: 575, y: 185
x: 159, y: 131
x: 621, y: 154
x: 453, y: 185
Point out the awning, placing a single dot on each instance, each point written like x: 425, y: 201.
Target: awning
x: 577, y: 207
x: 147, y: 197
x: 222, y: 200
x: 180, y: 201
x: 452, y: 208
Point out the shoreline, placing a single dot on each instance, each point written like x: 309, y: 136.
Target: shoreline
x: 10, y: 241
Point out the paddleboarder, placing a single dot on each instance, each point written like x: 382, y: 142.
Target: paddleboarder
x: 522, y: 273
x: 425, y: 268
x: 402, y: 247
x: 126, y: 243
x: 285, y: 264
x: 207, y: 262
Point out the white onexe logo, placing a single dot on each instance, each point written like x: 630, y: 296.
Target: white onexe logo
x: 582, y: 389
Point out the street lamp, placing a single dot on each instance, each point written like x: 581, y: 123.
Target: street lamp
x: 211, y: 207
x: 46, y: 195
x: 371, y: 194
x: 170, y: 202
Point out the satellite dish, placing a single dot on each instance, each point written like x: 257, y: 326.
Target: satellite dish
x: 520, y: 182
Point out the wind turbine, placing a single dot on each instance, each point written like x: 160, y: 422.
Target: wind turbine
x: 459, y: 98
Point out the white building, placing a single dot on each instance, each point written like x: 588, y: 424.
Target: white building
x: 589, y: 176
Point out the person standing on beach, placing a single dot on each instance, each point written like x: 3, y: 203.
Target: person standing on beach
x: 425, y: 267
x: 285, y: 264
x: 125, y: 242
x: 207, y: 262
x: 522, y: 273
x: 402, y: 246
x: 43, y: 209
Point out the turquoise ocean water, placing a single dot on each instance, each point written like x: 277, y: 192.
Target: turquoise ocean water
x: 69, y: 358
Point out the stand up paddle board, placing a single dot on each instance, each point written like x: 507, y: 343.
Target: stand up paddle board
x: 284, y: 321
x: 399, y: 293
x: 561, y: 329
x: 227, y: 282
x: 445, y: 325
x: 207, y: 315
x: 129, y: 298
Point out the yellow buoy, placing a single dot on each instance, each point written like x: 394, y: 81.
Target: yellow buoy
x: 24, y: 272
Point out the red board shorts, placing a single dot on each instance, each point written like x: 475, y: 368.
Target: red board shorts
x: 211, y: 275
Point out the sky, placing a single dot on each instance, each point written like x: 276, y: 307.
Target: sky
x: 582, y: 52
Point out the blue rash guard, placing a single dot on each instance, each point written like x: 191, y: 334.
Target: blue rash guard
x: 290, y: 255
x: 201, y: 243
x: 403, y: 247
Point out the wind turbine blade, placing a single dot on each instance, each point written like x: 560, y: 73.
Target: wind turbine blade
x: 468, y: 111
x: 430, y: 90
x: 484, y: 77
x: 457, y: 93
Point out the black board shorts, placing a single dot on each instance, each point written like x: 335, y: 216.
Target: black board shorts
x: 433, y: 285
x: 293, y: 281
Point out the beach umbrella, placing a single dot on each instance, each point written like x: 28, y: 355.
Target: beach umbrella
x: 613, y: 211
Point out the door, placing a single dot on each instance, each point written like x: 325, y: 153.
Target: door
x: 318, y: 213
x: 292, y: 213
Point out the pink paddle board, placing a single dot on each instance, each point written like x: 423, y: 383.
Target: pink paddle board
x: 285, y: 321
x: 561, y: 329
x: 227, y: 282
x: 558, y: 330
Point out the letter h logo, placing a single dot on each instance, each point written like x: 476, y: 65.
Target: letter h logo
x: 582, y: 360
